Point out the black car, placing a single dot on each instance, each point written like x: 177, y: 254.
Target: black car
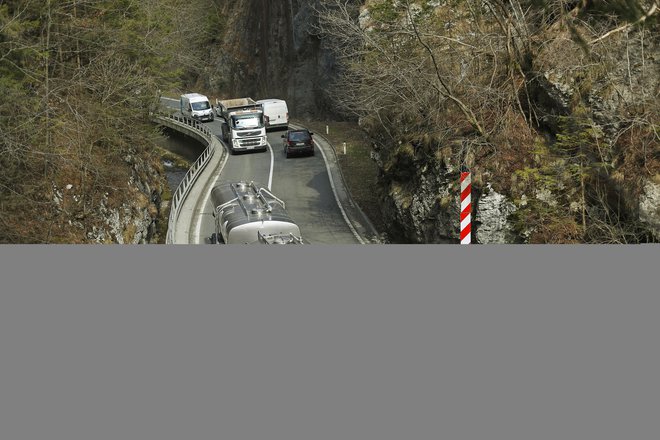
x: 298, y: 142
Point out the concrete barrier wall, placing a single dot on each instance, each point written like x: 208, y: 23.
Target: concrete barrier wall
x: 202, y: 134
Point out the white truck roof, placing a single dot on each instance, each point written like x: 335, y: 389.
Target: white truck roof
x: 193, y: 96
x: 271, y: 101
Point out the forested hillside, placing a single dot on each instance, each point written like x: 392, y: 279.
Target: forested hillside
x: 553, y: 105
x: 269, y: 49
x: 77, y: 80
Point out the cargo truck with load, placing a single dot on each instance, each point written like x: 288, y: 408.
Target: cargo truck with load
x: 243, y: 124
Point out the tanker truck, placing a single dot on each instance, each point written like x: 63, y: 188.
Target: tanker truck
x: 247, y: 213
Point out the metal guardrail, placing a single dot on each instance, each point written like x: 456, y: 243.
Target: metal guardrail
x: 193, y: 172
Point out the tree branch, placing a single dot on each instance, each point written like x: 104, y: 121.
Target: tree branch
x: 651, y: 11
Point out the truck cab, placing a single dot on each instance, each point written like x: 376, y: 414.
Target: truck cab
x: 243, y: 127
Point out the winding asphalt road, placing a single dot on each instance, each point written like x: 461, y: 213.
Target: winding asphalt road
x: 313, y: 199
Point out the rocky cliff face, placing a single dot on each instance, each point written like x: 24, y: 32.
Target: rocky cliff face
x: 583, y: 102
x: 610, y: 89
x: 268, y: 49
x: 128, y: 216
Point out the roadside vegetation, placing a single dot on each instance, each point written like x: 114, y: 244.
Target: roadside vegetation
x: 78, y: 80
x: 553, y: 102
x: 555, y: 98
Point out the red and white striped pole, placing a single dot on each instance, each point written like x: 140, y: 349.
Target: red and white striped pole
x: 466, y: 208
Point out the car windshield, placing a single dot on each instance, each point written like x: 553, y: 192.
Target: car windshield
x: 204, y: 105
x: 249, y: 121
x: 299, y: 136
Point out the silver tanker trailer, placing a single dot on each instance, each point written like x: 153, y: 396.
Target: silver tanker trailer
x: 246, y: 213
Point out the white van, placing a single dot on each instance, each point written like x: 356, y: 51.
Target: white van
x: 196, y: 106
x: 276, y: 113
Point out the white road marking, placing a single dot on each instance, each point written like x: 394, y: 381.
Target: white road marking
x: 334, y: 191
x: 272, y: 163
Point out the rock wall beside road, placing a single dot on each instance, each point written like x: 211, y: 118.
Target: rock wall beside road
x: 267, y: 49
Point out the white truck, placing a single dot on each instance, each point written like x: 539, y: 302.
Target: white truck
x: 276, y: 113
x: 196, y: 107
x: 243, y: 127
